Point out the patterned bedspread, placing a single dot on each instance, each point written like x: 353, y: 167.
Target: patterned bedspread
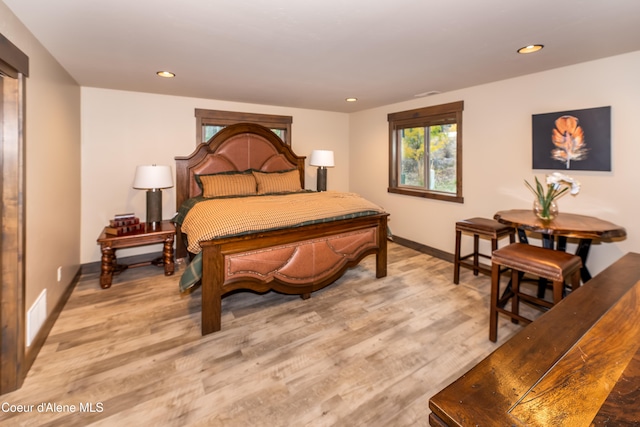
x: 214, y: 218
x: 225, y: 217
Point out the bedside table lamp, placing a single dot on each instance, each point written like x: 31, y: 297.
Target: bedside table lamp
x: 153, y: 178
x: 323, y: 159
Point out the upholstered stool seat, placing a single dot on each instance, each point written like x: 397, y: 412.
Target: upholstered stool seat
x: 478, y: 227
x: 555, y: 266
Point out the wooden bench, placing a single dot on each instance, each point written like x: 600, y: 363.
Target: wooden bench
x: 576, y: 365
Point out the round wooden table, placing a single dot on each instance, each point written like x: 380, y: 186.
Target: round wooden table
x: 565, y: 225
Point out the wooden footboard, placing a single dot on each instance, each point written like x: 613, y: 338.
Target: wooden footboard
x: 298, y: 261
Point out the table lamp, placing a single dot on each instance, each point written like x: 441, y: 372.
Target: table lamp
x: 153, y: 178
x: 323, y: 159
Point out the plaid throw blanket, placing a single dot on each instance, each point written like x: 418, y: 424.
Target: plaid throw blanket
x: 214, y: 218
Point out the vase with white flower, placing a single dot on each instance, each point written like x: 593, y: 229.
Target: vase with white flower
x: 557, y: 184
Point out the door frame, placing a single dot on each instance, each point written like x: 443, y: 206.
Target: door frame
x: 14, y: 68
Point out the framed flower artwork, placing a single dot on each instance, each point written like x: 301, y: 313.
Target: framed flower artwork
x: 573, y: 140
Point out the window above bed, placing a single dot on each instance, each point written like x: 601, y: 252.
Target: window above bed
x: 210, y: 122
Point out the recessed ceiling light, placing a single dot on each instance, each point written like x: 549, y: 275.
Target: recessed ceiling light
x: 167, y: 74
x: 351, y: 99
x: 531, y: 48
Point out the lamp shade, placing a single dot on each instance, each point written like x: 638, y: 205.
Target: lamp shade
x: 322, y: 158
x: 153, y: 177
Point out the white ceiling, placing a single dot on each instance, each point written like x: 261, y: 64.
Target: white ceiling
x: 315, y: 53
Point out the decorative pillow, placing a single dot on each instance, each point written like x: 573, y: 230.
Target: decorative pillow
x: 278, y: 182
x: 228, y: 185
x: 198, y: 177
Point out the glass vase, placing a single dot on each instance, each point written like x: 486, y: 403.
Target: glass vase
x: 545, y: 211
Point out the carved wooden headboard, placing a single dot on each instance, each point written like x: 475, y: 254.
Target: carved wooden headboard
x: 235, y: 148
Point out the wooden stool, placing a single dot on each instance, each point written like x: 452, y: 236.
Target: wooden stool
x: 479, y: 227
x: 553, y: 265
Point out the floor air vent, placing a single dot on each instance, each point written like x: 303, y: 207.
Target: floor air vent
x: 36, y: 316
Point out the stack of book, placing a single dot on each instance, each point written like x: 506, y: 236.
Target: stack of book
x: 124, y: 224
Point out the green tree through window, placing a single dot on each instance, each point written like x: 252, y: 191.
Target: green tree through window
x: 425, y: 147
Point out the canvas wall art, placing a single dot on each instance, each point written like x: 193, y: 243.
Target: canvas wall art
x: 573, y: 140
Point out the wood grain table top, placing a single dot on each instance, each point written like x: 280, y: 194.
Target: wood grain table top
x: 565, y: 224
x: 162, y: 229
x: 577, y: 364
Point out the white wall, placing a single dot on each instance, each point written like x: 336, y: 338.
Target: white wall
x: 52, y: 163
x: 497, y: 153
x: 121, y: 130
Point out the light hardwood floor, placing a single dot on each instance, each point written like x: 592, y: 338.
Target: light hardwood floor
x: 363, y: 351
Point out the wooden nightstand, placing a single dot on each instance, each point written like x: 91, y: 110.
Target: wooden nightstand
x: 163, y: 233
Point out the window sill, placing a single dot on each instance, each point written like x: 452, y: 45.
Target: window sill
x: 426, y: 194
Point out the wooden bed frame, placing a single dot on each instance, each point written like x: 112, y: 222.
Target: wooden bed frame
x: 299, y: 260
